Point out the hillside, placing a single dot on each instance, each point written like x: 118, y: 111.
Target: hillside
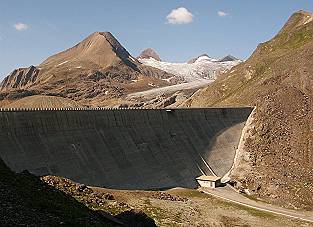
x: 42, y: 101
x: 94, y: 70
x: 278, y: 80
x: 27, y: 201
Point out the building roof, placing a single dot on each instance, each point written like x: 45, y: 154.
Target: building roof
x: 208, y: 178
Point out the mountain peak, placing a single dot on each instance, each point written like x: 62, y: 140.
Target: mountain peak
x: 103, y: 38
x: 297, y: 20
x: 202, y: 57
x: 229, y: 58
x: 99, y: 48
x: 96, y: 35
x: 303, y: 12
x: 149, y: 53
x: 103, y: 33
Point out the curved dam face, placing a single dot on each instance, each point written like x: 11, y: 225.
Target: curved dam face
x: 123, y: 149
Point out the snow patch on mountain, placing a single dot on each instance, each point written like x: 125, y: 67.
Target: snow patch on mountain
x: 62, y: 63
x: 204, y: 58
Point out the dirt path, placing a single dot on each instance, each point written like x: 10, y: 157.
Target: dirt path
x: 229, y: 194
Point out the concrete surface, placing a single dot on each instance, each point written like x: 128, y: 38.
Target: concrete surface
x: 123, y: 149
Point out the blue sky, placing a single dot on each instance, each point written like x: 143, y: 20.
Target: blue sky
x: 31, y: 30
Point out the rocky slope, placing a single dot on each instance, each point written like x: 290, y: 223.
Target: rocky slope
x: 278, y: 80
x: 27, y: 201
x: 174, y: 207
x: 21, y: 77
x: 96, y: 69
x: 202, y: 67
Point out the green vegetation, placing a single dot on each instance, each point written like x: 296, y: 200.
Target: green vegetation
x: 251, y: 211
x: 190, y: 193
x: 260, y: 68
x: 156, y: 213
x: 113, y: 210
x: 294, y: 40
x: 178, y: 217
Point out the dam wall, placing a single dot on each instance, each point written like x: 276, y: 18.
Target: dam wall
x: 123, y: 148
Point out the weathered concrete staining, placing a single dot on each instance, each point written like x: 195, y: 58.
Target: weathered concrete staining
x: 125, y: 149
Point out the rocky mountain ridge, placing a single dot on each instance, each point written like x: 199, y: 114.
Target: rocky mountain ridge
x: 21, y: 77
x: 94, y: 70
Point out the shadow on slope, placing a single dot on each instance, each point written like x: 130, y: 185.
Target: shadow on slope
x: 26, y: 200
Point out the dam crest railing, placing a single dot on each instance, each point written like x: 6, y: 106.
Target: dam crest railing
x: 106, y: 109
x: 78, y: 109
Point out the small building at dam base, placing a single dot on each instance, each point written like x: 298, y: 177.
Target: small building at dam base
x: 209, y: 181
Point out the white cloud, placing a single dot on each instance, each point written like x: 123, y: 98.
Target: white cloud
x: 21, y: 26
x: 180, y: 16
x: 222, y: 14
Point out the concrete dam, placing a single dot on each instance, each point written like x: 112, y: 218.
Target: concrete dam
x: 123, y: 148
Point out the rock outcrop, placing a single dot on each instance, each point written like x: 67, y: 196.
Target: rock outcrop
x: 20, y: 78
x: 228, y: 58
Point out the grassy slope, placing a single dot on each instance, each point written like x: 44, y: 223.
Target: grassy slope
x: 278, y: 79
x: 284, y: 60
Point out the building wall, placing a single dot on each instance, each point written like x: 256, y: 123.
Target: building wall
x: 207, y: 184
x: 125, y: 149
